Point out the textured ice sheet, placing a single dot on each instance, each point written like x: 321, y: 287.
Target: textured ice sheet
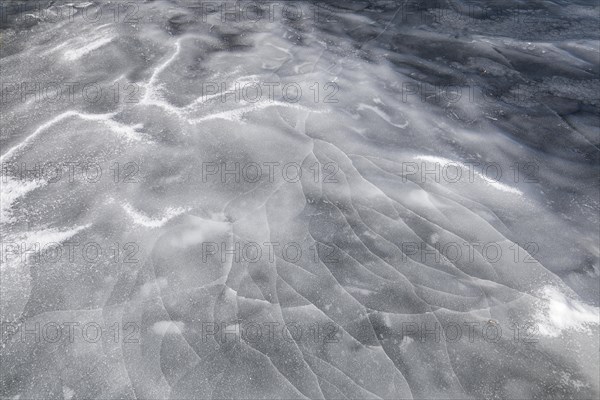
x: 181, y: 322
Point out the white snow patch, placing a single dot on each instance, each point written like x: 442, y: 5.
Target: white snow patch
x: 406, y: 340
x: 202, y: 231
x: 567, y: 380
x: 130, y: 132
x: 37, y: 242
x: 144, y: 220
x: 68, y: 393
x: 381, y: 114
x: 148, y: 288
x: 560, y: 313
x: 75, y: 54
x: 11, y: 190
x: 494, y: 183
x: 168, y: 327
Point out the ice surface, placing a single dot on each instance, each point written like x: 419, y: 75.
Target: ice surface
x: 356, y: 292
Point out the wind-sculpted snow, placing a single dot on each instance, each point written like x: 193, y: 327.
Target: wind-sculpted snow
x: 407, y: 210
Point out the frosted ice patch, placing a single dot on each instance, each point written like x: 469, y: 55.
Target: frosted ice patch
x: 201, y: 230
x: 358, y: 291
x: 129, y: 132
x: 233, y: 329
x: 493, y: 183
x: 12, y: 151
x: 419, y: 198
x: 560, y: 313
x: 75, y: 54
x: 167, y: 327
x: 144, y: 220
x: 567, y: 380
x: 83, y: 5
x: 148, y: 288
x: 41, y: 239
x: 68, y: 393
x: 381, y: 114
x: 11, y: 190
x: 53, y: 235
x: 239, y: 113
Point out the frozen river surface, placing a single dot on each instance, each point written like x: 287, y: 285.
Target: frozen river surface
x: 335, y: 200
